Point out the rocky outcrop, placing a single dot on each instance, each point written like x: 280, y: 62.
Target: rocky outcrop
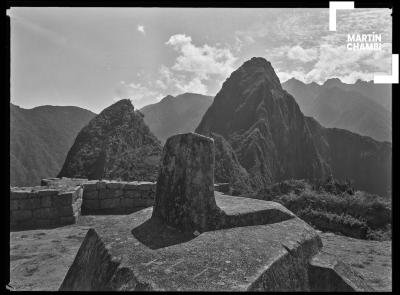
x: 273, y: 141
x: 185, y: 184
x: 116, y: 144
x: 161, y: 255
x: 328, y: 274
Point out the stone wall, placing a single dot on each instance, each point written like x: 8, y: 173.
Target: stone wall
x: 43, y: 207
x: 112, y: 197
x: 50, y: 205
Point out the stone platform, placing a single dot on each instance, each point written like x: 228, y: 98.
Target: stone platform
x: 135, y: 252
x: 196, y: 239
x: 138, y: 253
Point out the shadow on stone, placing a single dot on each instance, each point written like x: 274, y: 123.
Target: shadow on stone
x: 155, y: 234
x: 117, y: 211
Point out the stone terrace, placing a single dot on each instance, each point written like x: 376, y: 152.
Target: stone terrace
x: 197, y: 240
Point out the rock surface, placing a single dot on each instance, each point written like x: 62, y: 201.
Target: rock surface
x: 330, y: 274
x: 137, y: 252
x: 40, y: 259
x: 185, y: 184
x: 272, y: 140
x: 116, y: 144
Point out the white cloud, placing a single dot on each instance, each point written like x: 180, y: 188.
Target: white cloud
x: 140, y: 29
x: 139, y: 94
x: 337, y: 61
x: 176, y: 83
x: 305, y: 55
x: 195, y: 66
x: 202, y: 61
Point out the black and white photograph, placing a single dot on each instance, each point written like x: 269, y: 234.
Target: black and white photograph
x: 201, y: 148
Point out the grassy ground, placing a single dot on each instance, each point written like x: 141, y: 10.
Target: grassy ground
x: 39, y: 259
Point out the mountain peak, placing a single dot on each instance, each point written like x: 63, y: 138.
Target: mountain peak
x: 167, y: 98
x: 125, y: 102
x: 115, y: 144
x: 255, y: 70
x: 332, y: 82
x: 294, y: 81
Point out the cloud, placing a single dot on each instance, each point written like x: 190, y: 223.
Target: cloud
x: 337, y: 61
x: 305, y: 55
x: 195, y: 66
x: 340, y: 62
x: 140, y: 29
x: 201, y: 60
x: 176, y: 83
x: 139, y: 94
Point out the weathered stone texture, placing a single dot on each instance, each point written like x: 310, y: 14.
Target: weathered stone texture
x: 116, y: 197
x: 35, y: 207
x: 327, y: 273
x: 185, y: 184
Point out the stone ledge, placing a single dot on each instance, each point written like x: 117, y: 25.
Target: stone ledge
x: 153, y: 256
x: 43, y: 207
x: 327, y: 273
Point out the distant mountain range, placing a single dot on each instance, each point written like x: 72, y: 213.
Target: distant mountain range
x: 259, y: 129
x: 40, y: 139
x: 260, y: 134
x: 363, y: 107
x: 173, y: 115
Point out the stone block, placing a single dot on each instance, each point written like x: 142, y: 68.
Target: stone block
x: 110, y: 203
x: 67, y: 220
x: 63, y: 199
x: 132, y: 194
x: 46, y: 201
x: 90, y: 186
x: 19, y: 194
x: 146, y: 186
x: 45, y: 213
x: 91, y: 204
x: 127, y: 202
x: 18, y: 215
x: 90, y: 195
x: 28, y: 204
x: 65, y: 211
x: 115, y: 185
x: 131, y: 186
x: 185, y: 185
x: 104, y: 194
x: 47, y: 192
x: 117, y: 193
x: 13, y: 205
x: 101, y: 185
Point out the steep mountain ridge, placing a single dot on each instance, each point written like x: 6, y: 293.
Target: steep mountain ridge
x: 305, y: 93
x: 40, y: 139
x: 173, y: 115
x: 116, y: 144
x: 272, y: 139
x: 352, y: 111
x: 362, y: 107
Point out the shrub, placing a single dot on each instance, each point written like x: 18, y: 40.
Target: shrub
x: 334, y: 206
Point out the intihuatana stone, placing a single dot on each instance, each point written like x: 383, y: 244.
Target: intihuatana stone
x: 151, y: 249
x: 185, y: 185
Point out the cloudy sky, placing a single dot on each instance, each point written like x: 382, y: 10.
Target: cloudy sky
x: 91, y: 57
